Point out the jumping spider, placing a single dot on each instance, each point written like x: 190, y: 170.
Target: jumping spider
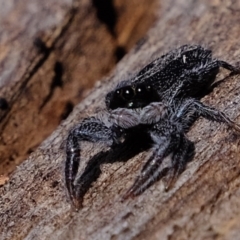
x: 162, y: 102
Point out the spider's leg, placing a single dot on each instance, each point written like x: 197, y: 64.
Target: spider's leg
x: 219, y: 63
x: 190, y: 109
x: 152, y: 170
x: 92, y: 130
x: 179, y: 149
x: 180, y: 158
x: 231, y: 68
x: 215, y: 64
x: 213, y: 114
x: 71, y: 165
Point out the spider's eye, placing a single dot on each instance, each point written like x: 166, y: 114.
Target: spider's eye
x: 149, y: 87
x: 141, y: 91
x: 127, y: 93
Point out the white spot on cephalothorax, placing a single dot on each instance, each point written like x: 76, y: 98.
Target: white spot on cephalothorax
x: 184, y: 59
x: 130, y: 104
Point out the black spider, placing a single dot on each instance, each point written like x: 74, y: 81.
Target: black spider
x: 161, y: 103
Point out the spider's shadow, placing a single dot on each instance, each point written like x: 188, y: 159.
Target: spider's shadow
x: 134, y: 143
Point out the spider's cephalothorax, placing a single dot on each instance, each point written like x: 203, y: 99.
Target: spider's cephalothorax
x: 187, y: 71
x: 132, y: 96
x: 161, y: 102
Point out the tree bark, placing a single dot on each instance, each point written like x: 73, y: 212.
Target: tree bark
x: 203, y: 204
x: 51, y: 53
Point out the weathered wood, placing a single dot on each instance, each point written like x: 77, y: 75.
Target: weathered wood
x: 203, y: 204
x: 51, y: 53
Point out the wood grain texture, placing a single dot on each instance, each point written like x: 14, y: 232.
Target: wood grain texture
x: 50, y: 55
x: 203, y: 204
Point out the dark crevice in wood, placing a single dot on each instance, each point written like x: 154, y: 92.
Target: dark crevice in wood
x: 67, y: 110
x: 107, y: 14
x: 120, y: 52
x: 33, y: 68
x: 3, y: 104
x: 56, y: 82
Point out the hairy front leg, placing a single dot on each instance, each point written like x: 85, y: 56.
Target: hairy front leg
x: 92, y: 130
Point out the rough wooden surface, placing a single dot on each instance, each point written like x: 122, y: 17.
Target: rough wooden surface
x: 50, y: 54
x: 203, y: 204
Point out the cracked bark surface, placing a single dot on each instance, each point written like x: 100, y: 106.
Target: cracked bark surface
x: 51, y: 53
x: 203, y: 204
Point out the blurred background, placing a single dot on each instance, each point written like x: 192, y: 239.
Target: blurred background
x: 51, y: 54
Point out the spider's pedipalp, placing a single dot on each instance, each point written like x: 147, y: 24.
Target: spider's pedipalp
x: 153, y: 113
x: 124, y: 117
x: 127, y: 118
